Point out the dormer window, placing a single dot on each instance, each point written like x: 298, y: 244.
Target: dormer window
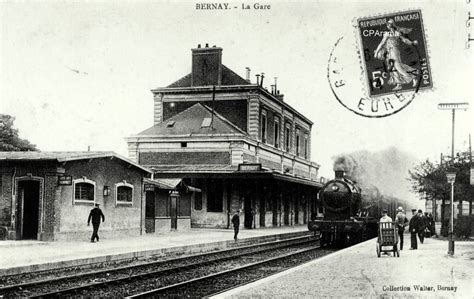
x: 206, y: 122
x: 170, y: 124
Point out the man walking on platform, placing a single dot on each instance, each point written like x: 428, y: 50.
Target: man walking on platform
x: 413, y: 228
x: 421, y: 225
x: 95, y: 215
x: 236, y: 223
x: 432, y: 225
x: 401, y: 221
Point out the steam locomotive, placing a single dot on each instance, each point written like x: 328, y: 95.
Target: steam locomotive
x: 350, y: 214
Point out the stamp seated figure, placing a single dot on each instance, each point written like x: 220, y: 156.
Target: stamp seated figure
x: 389, y: 50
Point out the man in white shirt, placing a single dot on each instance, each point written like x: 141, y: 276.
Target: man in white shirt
x: 385, y: 217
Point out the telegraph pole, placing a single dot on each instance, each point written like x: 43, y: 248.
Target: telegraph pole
x: 451, y: 174
x: 471, y: 173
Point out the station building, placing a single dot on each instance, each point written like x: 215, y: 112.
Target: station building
x: 47, y: 196
x: 243, y: 146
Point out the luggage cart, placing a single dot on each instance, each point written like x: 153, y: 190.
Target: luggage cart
x: 387, y: 240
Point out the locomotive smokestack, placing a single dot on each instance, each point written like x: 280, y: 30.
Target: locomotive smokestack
x: 339, y: 173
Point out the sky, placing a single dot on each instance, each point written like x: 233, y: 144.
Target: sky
x: 79, y: 74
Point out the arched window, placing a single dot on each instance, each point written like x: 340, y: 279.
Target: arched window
x: 124, y: 193
x: 84, y: 190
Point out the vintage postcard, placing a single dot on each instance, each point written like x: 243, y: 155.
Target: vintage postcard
x: 236, y: 149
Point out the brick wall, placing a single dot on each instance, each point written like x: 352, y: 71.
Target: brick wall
x: 51, y: 207
x: 59, y: 217
x: 184, y: 158
x: 6, y: 199
x: 206, y: 66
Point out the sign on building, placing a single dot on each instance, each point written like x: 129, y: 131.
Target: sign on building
x: 250, y: 167
x: 65, y: 180
x: 149, y: 187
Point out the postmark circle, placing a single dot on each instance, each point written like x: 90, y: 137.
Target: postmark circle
x: 344, y: 75
x: 380, y: 71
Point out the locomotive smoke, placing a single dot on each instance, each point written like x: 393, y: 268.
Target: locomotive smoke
x: 385, y: 171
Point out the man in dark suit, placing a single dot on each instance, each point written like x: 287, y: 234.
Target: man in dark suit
x: 236, y: 223
x: 413, y: 228
x: 401, y: 221
x: 95, y: 215
x: 422, y: 226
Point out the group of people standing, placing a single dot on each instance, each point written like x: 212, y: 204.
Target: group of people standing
x: 419, y: 225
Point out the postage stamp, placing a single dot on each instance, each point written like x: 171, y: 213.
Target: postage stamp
x: 394, y: 53
x: 378, y: 69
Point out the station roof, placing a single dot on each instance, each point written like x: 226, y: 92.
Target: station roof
x: 230, y: 171
x: 192, y: 121
x: 65, y: 157
x: 170, y: 184
x: 229, y: 77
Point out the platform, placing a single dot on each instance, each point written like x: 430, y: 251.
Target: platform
x: 356, y: 272
x: 25, y: 256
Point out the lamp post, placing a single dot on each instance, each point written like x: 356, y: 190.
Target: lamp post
x: 451, y: 176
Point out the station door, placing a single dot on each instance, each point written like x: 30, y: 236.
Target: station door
x: 28, y: 216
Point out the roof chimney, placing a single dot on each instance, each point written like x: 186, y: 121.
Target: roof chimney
x: 339, y: 174
x: 258, y: 76
x: 206, y: 68
x: 279, y: 95
x: 247, y: 76
x: 261, y: 81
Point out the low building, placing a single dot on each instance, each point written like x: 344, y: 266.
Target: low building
x: 48, y: 195
x: 168, y: 204
x: 239, y: 143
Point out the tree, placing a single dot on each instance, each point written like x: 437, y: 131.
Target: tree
x: 9, y: 139
x: 429, y: 180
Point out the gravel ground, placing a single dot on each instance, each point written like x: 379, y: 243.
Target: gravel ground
x: 357, y: 272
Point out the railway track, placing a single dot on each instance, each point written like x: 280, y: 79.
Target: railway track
x: 220, y: 282
x: 120, y: 281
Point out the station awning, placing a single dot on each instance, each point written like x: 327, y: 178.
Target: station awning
x: 170, y: 184
x: 297, y: 180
